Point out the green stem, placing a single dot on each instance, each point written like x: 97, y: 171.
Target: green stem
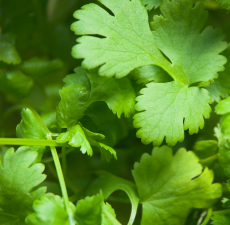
x: 25, y: 141
x: 50, y: 159
x: 209, y: 214
x: 64, y: 160
x: 61, y: 181
x: 225, y: 211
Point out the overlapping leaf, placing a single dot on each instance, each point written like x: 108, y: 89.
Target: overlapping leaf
x: 180, y: 111
x: 31, y: 127
x: 86, y: 87
x: 18, y: 180
x: 224, y: 4
x: 168, y: 189
x: 49, y: 210
x: 149, y: 4
x: 79, y: 136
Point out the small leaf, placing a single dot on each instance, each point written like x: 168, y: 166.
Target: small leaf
x: 205, y: 149
x: 224, y: 4
x: 18, y: 181
x: 38, y: 67
x: 8, y: 52
x: 220, y: 219
x: 223, y: 107
x: 170, y: 186
x: 15, y: 82
x: 150, y: 4
x: 49, y: 210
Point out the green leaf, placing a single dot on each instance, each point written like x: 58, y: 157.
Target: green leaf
x: 79, y: 136
x: 221, y: 219
x: 38, y: 67
x: 8, y: 52
x: 18, y: 180
x: 224, y: 4
x: 223, y: 107
x: 193, y: 50
x: 205, y: 149
x: 224, y: 158
x: 30, y: 127
x: 150, y: 4
x: 49, y: 210
x: 174, y: 186
x: 107, y: 208
x: 119, y: 95
x: 128, y: 41
x: 74, y: 96
x: 109, y: 183
x: 221, y: 86
x: 180, y: 111
x: 89, y: 210
x: 114, y: 129
x: 86, y: 87
x: 15, y: 82
x: 146, y: 74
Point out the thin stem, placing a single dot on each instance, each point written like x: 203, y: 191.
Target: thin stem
x: 225, y: 211
x: 64, y: 160
x: 25, y: 141
x: 61, y: 181
x: 209, y: 214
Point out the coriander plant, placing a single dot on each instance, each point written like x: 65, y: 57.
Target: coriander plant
x: 131, y: 128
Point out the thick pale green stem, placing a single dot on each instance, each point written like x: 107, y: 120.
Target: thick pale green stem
x: 64, y: 160
x: 209, y: 214
x: 225, y: 211
x: 61, y: 181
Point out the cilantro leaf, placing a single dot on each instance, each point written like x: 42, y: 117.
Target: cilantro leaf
x: 146, y: 74
x: 109, y: 183
x: 89, y: 210
x: 79, y: 136
x: 8, y: 52
x: 86, y: 87
x: 38, y: 67
x: 107, y: 208
x: 205, y: 149
x: 150, y: 4
x: 223, y: 107
x: 128, y: 41
x: 224, y: 4
x: 167, y: 186
x: 180, y: 111
x: 193, y: 51
x: 30, y: 127
x: 17, y: 182
x: 15, y: 82
x: 220, y: 219
x: 221, y: 86
x: 49, y: 210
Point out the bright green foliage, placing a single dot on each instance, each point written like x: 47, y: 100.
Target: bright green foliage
x: 15, y: 82
x: 109, y: 183
x: 107, y: 208
x: 84, y: 88
x: 149, y: 4
x: 221, y: 219
x: 223, y: 107
x: 38, y: 67
x: 89, y: 210
x: 30, y: 127
x: 8, y: 51
x: 180, y: 111
x: 224, y: 4
x: 49, y: 210
x: 221, y: 86
x: 17, y: 179
x: 146, y: 74
x: 167, y: 188
x: 129, y: 42
x: 193, y: 53
x: 79, y: 136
